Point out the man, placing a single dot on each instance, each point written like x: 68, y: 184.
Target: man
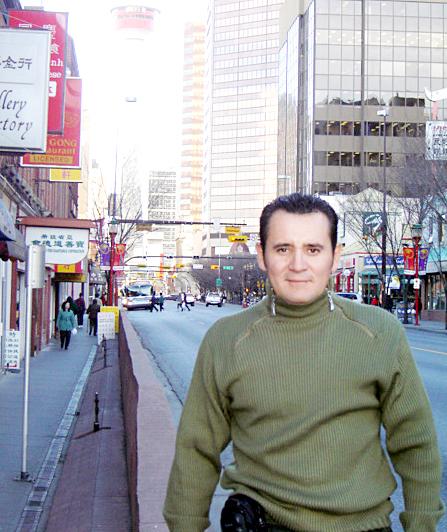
x: 161, y: 301
x: 93, y: 311
x: 301, y: 383
x: 80, y: 303
x: 153, y: 302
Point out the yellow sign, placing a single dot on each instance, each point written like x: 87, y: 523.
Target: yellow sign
x: 115, y: 311
x: 70, y: 277
x: 66, y: 175
x: 237, y: 238
x: 232, y: 230
x: 214, y: 266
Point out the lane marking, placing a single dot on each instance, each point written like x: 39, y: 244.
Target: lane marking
x: 429, y: 350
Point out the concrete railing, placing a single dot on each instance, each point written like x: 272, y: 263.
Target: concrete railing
x: 150, y: 432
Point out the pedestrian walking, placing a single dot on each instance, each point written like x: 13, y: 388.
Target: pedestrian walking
x: 180, y: 302
x: 161, y: 302
x: 80, y: 303
x: 66, y: 323
x: 153, y: 302
x: 92, y: 313
x: 184, y: 301
x: 301, y: 385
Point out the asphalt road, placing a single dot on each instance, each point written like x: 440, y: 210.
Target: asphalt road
x: 173, y: 338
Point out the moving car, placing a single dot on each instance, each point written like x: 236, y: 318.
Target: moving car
x: 353, y: 296
x: 190, y: 299
x: 137, y: 296
x: 213, y: 298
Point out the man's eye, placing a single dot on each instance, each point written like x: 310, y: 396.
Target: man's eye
x: 282, y: 250
x: 313, y: 251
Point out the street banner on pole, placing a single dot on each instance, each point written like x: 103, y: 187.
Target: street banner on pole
x: 56, y: 25
x: 409, y: 261
x: 63, y: 151
x: 24, y: 71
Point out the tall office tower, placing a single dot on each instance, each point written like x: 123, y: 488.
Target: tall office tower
x: 191, y: 174
x: 160, y: 202
x: 342, y: 61
x: 241, y: 104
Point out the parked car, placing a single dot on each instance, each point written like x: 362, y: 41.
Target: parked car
x: 137, y: 296
x: 353, y: 296
x: 213, y: 298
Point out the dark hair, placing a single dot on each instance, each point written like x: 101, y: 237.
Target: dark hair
x: 297, y: 203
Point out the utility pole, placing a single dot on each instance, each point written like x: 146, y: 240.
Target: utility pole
x: 384, y: 112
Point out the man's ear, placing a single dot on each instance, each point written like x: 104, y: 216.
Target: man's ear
x: 260, y: 257
x: 337, y: 253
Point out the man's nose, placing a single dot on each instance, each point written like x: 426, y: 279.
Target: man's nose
x: 298, y: 261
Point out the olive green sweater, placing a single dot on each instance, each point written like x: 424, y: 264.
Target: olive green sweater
x: 302, y: 395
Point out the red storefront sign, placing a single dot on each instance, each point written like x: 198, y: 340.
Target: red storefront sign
x: 63, y: 151
x: 57, y: 24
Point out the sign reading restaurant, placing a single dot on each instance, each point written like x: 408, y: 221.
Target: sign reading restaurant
x: 62, y: 245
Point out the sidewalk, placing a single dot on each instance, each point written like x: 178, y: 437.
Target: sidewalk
x: 428, y: 326
x: 57, y: 380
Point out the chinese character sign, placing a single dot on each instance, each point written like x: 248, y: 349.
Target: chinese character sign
x: 56, y: 25
x: 12, y: 349
x: 62, y: 245
x: 436, y: 141
x: 409, y: 264
x: 24, y: 69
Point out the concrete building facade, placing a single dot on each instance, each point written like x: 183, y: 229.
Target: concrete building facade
x: 189, y: 189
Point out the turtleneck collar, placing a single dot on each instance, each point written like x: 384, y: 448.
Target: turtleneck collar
x: 320, y: 307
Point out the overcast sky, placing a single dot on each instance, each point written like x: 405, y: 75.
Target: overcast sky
x: 101, y: 69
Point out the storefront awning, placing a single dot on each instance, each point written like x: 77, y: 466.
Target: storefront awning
x: 13, y: 249
x: 7, y: 227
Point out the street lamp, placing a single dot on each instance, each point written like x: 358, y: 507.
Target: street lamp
x: 113, y: 230
x: 384, y: 112
x: 416, y: 235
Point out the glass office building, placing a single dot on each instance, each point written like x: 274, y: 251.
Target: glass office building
x: 240, y: 115
x: 342, y: 61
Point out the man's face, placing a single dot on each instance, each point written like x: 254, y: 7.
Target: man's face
x: 298, y: 257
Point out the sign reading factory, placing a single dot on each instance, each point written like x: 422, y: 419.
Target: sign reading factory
x: 63, y: 245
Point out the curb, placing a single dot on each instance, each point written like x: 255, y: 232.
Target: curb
x: 425, y: 329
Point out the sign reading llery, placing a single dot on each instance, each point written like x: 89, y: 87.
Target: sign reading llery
x: 63, y: 246
x: 24, y: 71
x: 56, y: 25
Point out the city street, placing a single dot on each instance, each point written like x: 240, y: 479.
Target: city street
x: 173, y: 338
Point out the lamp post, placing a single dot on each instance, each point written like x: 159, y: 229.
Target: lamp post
x: 384, y: 112
x: 113, y: 229
x: 416, y: 235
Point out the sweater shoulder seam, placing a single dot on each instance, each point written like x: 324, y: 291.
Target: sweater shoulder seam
x: 248, y: 331
x: 360, y: 325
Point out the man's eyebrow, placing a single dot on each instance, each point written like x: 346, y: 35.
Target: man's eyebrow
x: 310, y: 245
x: 282, y: 245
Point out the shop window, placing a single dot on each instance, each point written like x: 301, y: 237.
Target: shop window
x: 357, y: 128
x: 347, y: 128
x: 356, y: 158
x: 333, y: 128
x: 372, y: 129
x: 388, y: 159
x: 320, y: 127
x: 372, y: 159
x: 346, y: 158
x: 333, y: 158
